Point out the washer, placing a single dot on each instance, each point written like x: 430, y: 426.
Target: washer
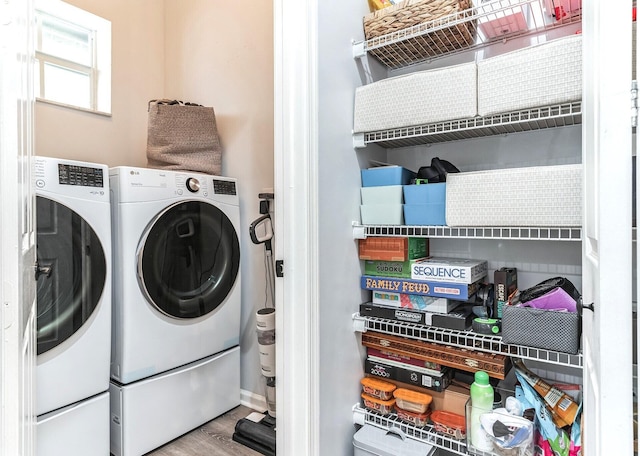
x: 176, y: 325
x: 73, y: 300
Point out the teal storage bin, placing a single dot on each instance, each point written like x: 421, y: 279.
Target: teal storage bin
x: 424, y: 214
x: 425, y: 193
x: 386, y: 175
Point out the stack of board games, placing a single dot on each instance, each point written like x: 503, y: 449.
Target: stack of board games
x: 426, y: 291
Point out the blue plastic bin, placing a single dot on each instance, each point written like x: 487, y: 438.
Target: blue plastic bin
x: 386, y: 175
x: 425, y: 193
x: 425, y: 214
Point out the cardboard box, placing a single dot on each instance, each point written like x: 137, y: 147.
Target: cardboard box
x: 459, y: 319
x: 505, y: 282
x: 440, y: 269
x: 399, y: 269
x: 413, y: 302
x: 391, y: 357
x: 408, y: 375
x: 452, y: 399
x: 393, y: 248
x: 455, y: 291
x: 396, y: 314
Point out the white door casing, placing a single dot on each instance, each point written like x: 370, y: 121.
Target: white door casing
x: 17, y: 230
x: 296, y: 196
x: 606, y: 155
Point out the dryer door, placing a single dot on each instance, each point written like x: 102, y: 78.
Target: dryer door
x: 188, y: 259
x: 72, y: 272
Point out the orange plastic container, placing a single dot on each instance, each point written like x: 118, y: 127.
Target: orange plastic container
x: 378, y: 388
x: 378, y: 405
x: 449, y: 423
x: 412, y: 401
x: 417, y: 419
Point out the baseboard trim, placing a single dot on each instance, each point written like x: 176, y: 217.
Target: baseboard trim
x: 253, y: 401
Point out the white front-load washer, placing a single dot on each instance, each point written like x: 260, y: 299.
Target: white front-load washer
x: 73, y: 301
x: 176, y: 320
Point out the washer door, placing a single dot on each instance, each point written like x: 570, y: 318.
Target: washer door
x: 73, y: 272
x: 188, y: 259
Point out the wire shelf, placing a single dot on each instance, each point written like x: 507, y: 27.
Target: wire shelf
x: 464, y: 339
x: 498, y: 233
x: 540, y: 118
x: 488, y: 22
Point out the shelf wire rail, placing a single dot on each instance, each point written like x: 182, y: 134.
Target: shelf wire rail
x: 471, y: 29
x: 464, y: 339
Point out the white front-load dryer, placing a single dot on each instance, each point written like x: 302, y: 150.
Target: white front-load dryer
x: 176, y: 268
x: 73, y: 300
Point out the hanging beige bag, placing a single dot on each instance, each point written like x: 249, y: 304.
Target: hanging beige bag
x: 183, y: 136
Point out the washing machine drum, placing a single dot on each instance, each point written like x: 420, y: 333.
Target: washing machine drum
x: 72, y: 272
x: 188, y: 259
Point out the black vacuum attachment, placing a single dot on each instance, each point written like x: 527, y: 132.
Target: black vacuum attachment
x: 260, y: 436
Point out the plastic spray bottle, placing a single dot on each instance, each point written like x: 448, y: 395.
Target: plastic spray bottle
x: 481, y: 402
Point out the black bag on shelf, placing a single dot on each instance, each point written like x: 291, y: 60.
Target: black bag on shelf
x: 437, y: 171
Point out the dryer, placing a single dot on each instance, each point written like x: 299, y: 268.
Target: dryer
x: 73, y: 304
x: 176, y: 315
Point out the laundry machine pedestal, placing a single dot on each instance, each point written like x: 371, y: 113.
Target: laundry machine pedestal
x: 151, y: 412
x: 79, y: 429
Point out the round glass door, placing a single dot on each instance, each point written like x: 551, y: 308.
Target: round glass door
x: 188, y: 260
x: 72, y: 272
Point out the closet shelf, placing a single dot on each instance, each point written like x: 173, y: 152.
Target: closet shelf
x: 489, y: 22
x: 426, y: 434
x: 497, y: 233
x: 463, y: 339
x: 453, y: 130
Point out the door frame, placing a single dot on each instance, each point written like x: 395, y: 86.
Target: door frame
x: 296, y: 195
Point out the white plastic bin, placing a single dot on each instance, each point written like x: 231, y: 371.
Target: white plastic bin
x: 370, y: 440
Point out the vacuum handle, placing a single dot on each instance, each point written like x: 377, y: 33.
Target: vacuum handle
x: 264, y: 221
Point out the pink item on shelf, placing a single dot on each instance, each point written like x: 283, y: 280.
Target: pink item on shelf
x: 556, y: 299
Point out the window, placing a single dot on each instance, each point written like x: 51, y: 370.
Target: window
x: 73, y: 57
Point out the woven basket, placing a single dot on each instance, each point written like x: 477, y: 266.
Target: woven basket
x: 409, y: 13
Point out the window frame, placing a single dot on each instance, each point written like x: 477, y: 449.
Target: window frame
x: 99, y: 70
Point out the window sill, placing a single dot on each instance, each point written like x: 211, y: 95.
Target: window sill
x: 75, y: 108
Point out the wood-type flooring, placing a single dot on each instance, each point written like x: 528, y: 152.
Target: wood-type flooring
x: 210, y: 439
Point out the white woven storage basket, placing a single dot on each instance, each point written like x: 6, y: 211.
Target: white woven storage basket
x: 416, y: 99
x: 549, y: 196
x: 541, y: 75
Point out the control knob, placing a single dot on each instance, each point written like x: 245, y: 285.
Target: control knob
x: 193, y: 185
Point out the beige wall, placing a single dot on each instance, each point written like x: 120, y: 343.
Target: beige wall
x: 210, y: 52
x: 220, y: 54
x: 137, y: 72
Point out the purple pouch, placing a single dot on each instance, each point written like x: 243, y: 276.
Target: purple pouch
x: 556, y: 299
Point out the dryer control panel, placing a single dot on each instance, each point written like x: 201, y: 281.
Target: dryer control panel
x: 224, y: 187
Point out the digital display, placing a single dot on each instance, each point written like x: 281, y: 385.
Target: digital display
x: 80, y: 175
x: 224, y: 187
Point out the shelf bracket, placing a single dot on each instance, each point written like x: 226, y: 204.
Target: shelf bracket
x: 359, y: 231
x: 358, y: 415
x: 634, y: 103
x: 358, y: 141
x: 359, y: 323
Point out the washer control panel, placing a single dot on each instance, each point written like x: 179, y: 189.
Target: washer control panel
x: 224, y: 187
x: 80, y: 175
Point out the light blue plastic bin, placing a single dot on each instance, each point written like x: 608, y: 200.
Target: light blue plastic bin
x: 386, y: 175
x: 425, y: 193
x: 425, y: 214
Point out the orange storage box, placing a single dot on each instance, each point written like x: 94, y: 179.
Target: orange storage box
x: 449, y: 423
x: 393, y: 248
x: 417, y: 419
x: 378, y: 388
x: 412, y: 401
x: 378, y: 405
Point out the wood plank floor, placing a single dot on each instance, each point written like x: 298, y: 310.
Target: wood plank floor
x: 210, y: 439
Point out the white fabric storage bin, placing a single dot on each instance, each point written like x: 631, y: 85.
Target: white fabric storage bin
x: 416, y: 99
x: 536, y: 196
x: 541, y: 75
x: 370, y: 440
